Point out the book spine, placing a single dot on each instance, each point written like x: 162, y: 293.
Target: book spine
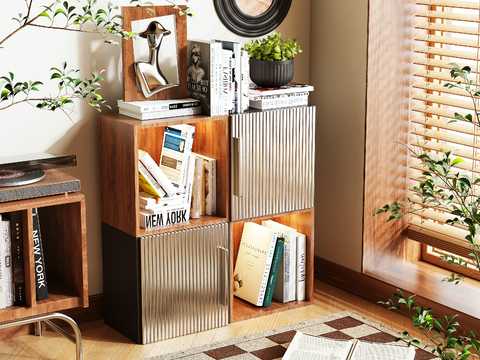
x: 141, y: 108
x: 7, y: 256
x: 301, y: 266
x: 188, y: 151
x: 278, y: 96
x: 154, y: 115
x: 184, y: 105
x: 274, y: 271
x: 40, y: 271
x: 292, y: 284
x: 203, y: 199
x: 158, y: 108
x: 269, y: 104
x: 17, y: 251
x: 158, y: 203
x: 190, y: 180
x: 213, y: 82
x: 266, y: 272
x: 173, y: 216
x: 157, y: 173
x: 225, y: 82
x: 287, y: 249
x: 219, y: 71
x: 197, y: 189
x: 211, y: 187
x: 245, y: 79
x: 2, y: 271
x: 148, y: 183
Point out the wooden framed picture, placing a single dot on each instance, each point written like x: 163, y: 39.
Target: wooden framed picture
x: 172, y: 55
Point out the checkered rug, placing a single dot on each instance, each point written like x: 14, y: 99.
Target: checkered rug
x: 272, y: 344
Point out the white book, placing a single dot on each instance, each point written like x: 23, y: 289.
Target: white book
x: 286, y: 283
x: 190, y: 177
x: 148, y: 201
x: 236, y: 71
x: 218, y: 72
x: 269, y: 104
x: 285, y: 89
x: 145, y: 158
x: 148, y: 183
x: 157, y: 105
x: 176, y: 150
x: 153, y: 115
x: 276, y: 96
x: 3, y: 303
x: 7, y: 256
x: 171, y: 216
x: 301, y: 265
x: 245, y: 73
x: 210, y: 168
x: 227, y: 81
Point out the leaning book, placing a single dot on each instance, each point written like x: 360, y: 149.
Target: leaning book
x: 40, y: 271
x: 306, y: 347
x: 254, y: 259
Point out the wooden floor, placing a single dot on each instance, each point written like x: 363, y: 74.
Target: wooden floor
x: 101, y: 342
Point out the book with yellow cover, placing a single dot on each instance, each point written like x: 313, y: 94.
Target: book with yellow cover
x: 254, y: 260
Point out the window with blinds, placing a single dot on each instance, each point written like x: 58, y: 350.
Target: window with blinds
x: 448, y: 31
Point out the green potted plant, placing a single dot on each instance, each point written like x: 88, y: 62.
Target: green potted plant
x: 445, y: 188
x: 271, y: 60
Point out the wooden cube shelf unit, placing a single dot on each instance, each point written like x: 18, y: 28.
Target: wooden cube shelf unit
x: 302, y: 221
x: 63, y: 231
x: 121, y: 138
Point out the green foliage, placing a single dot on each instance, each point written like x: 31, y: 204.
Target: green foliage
x: 65, y: 16
x: 273, y: 48
x: 442, y: 186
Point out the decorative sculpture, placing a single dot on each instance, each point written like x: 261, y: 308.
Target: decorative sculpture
x: 148, y: 73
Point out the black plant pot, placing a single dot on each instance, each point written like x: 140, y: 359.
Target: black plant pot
x: 271, y: 73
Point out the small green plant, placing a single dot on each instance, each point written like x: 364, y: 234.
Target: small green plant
x: 273, y: 48
x: 445, y: 188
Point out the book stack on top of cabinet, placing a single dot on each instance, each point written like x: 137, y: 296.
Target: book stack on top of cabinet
x: 158, y: 109
x: 292, y: 94
x: 181, y: 186
x: 270, y: 264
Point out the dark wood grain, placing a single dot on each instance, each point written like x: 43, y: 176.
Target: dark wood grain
x: 132, y: 13
x: 389, y: 75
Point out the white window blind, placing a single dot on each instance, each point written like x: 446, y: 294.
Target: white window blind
x: 448, y: 31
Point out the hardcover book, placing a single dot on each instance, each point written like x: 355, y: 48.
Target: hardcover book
x: 196, y: 203
x: 40, y: 270
x: 301, y: 265
x: 286, y: 283
x: 153, y: 115
x: 157, y: 173
x: 282, y: 102
x: 2, y: 270
x: 140, y: 107
x: 290, y: 88
x: 210, y: 180
x: 17, y: 258
x: 202, y: 74
x: 170, y: 215
x: 254, y: 259
x: 272, y: 277
x: 7, y: 261
x: 176, y: 149
x: 148, y: 183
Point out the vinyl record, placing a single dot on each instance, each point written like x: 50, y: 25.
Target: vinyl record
x: 18, y: 178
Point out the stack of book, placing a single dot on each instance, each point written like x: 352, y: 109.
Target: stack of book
x: 181, y: 186
x: 218, y: 76
x: 270, y: 264
x: 12, y: 274
x: 158, y: 109
x: 292, y: 94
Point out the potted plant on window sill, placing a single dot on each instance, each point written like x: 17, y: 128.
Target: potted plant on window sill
x: 271, y: 60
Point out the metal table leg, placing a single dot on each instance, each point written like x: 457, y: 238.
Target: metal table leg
x: 77, y: 339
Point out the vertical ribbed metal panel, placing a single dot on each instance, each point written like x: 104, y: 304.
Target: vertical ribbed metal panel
x: 185, y: 282
x: 273, y: 162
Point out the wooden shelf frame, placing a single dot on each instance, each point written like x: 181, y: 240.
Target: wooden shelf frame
x: 63, y: 229
x: 121, y: 138
x: 303, y: 221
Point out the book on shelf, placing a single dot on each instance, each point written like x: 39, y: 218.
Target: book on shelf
x: 236, y: 75
x: 169, y: 215
x: 228, y: 83
x: 210, y: 180
x: 202, y: 74
x: 280, y: 102
x: 151, y: 202
x: 306, y: 347
x: 161, y: 114
x: 256, y: 92
x: 148, y: 183
x: 3, y: 303
x: 301, y: 265
x: 277, y: 96
x: 272, y: 277
x: 15, y: 218
x: 245, y: 80
x: 286, y: 283
x: 254, y: 260
x: 7, y: 261
x: 39, y: 259
x: 176, y: 149
x: 140, y: 107
x: 151, y: 166
x: 197, y: 194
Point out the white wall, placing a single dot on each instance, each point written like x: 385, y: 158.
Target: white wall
x: 31, y: 52
x: 338, y: 72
